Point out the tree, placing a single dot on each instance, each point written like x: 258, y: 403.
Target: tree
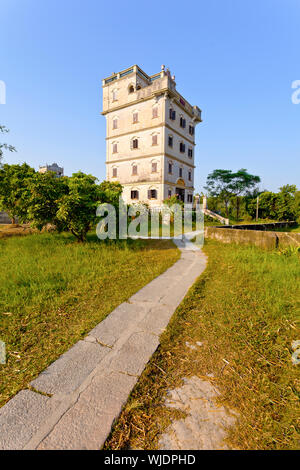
x: 283, y: 205
x: 4, y: 146
x: 241, y: 183
x: 286, y: 202
x: 110, y: 192
x: 45, y: 192
x: 218, y: 185
x: 14, y: 190
x: 77, y: 209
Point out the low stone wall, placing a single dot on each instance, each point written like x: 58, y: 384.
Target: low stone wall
x: 267, y: 226
x: 262, y: 239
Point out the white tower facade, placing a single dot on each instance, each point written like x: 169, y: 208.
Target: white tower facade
x: 150, y: 136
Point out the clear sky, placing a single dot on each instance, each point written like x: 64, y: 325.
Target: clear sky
x: 235, y: 59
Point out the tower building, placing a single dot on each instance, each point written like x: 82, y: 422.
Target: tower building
x: 150, y: 136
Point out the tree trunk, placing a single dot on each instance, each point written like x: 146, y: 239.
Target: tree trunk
x: 226, y: 209
x: 237, y: 208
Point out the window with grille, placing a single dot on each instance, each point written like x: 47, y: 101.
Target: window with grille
x: 190, y: 152
x: 191, y: 130
x: 134, y: 194
x: 134, y: 143
x: 182, y: 122
x: 152, y: 194
x: 134, y: 169
x: 172, y: 114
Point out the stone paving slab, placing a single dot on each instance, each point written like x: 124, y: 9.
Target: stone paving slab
x: 135, y: 353
x: 155, y: 290
x: 92, y: 381
x: 89, y: 421
x: 70, y: 370
x: 112, y: 327
x: 21, y: 417
x: 157, y: 319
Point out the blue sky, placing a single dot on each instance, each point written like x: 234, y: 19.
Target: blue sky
x: 235, y: 59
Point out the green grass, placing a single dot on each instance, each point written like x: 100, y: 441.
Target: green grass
x: 54, y: 291
x: 245, y: 311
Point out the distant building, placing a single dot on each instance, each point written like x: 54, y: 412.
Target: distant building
x: 150, y: 136
x: 54, y: 167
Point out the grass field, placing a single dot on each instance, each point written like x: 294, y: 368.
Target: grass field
x: 244, y: 309
x: 54, y: 291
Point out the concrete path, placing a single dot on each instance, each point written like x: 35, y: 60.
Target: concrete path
x: 74, y: 403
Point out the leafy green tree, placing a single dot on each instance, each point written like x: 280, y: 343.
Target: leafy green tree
x: 172, y: 200
x: 77, y: 209
x: 242, y: 183
x: 286, y: 207
x: 110, y: 192
x: 283, y: 205
x: 218, y: 186
x: 3, y: 146
x: 14, y: 190
x: 46, y: 190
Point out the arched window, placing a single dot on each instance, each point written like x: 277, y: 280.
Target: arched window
x: 131, y: 89
x: 138, y: 87
x: 154, y: 167
x: 135, y: 117
x: 114, y: 172
x: 134, y: 169
x: 155, y: 112
x: 134, y: 143
x: 152, y: 193
x: 114, y: 95
x: 134, y: 194
x: 115, y: 123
